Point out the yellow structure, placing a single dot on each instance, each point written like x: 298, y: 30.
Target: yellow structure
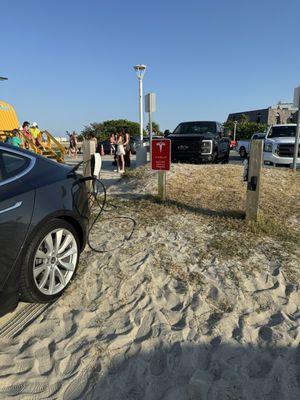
x: 50, y: 148
x: 8, y: 117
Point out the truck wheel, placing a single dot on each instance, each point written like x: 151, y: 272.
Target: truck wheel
x: 243, y: 153
x: 215, y: 159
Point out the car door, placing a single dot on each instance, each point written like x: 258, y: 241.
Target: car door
x: 16, y: 206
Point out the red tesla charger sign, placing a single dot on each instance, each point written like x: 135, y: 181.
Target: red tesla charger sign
x: 161, y: 154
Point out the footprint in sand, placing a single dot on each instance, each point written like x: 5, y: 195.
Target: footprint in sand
x: 76, y: 388
x: 23, y: 365
x: 69, y: 365
x: 82, y: 383
x: 158, y: 363
x: 32, y: 389
x: 44, y: 362
x: 145, y: 328
x: 174, y: 356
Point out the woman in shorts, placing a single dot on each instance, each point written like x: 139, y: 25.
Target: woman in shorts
x: 120, y: 153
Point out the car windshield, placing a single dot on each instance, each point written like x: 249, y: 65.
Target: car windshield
x: 282, y: 131
x: 196, y: 127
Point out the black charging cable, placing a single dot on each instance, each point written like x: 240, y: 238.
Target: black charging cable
x: 94, y: 201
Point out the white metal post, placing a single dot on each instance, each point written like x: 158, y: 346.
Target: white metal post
x: 141, y: 152
x: 141, y: 109
x: 296, y: 148
x: 234, y: 130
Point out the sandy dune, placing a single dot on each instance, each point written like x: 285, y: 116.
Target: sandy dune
x: 159, y: 318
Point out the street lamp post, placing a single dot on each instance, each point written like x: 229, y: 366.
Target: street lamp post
x: 140, y: 72
x: 234, y: 130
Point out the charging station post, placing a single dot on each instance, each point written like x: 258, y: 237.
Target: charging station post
x: 89, y: 148
x: 253, y: 186
x: 161, y: 162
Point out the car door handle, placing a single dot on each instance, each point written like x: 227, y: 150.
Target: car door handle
x: 18, y: 204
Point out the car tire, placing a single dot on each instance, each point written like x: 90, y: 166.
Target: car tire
x: 243, y: 153
x: 46, y: 274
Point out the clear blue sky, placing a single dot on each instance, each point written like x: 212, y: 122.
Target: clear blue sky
x: 69, y: 62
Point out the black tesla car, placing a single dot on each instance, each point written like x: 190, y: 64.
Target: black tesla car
x: 43, y: 226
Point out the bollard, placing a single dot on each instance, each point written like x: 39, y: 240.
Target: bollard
x: 89, y: 148
x: 253, y: 186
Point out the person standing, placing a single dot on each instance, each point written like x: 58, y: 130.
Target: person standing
x: 120, y: 153
x: 127, y: 149
x: 93, y: 139
x: 112, y: 141
x: 73, y: 145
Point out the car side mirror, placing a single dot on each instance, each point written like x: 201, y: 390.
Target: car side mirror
x: 166, y: 132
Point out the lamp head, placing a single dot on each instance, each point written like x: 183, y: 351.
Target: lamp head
x: 140, y: 70
x: 2, y: 78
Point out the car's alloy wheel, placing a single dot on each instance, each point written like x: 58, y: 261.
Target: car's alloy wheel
x: 50, y: 261
x: 55, y: 261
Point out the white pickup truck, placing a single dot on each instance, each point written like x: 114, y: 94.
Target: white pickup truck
x: 243, y: 146
x: 279, y: 145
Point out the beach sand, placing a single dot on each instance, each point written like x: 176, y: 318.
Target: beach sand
x: 190, y: 307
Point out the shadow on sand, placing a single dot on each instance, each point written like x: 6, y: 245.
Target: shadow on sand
x: 235, y: 214
x: 190, y: 371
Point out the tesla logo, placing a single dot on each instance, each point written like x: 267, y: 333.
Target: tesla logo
x: 160, y: 145
x: 161, y: 154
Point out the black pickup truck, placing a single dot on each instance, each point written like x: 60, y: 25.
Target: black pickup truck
x: 199, y: 141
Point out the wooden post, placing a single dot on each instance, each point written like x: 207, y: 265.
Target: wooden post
x: 253, y: 188
x: 162, y: 185
x: 89, y: 148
